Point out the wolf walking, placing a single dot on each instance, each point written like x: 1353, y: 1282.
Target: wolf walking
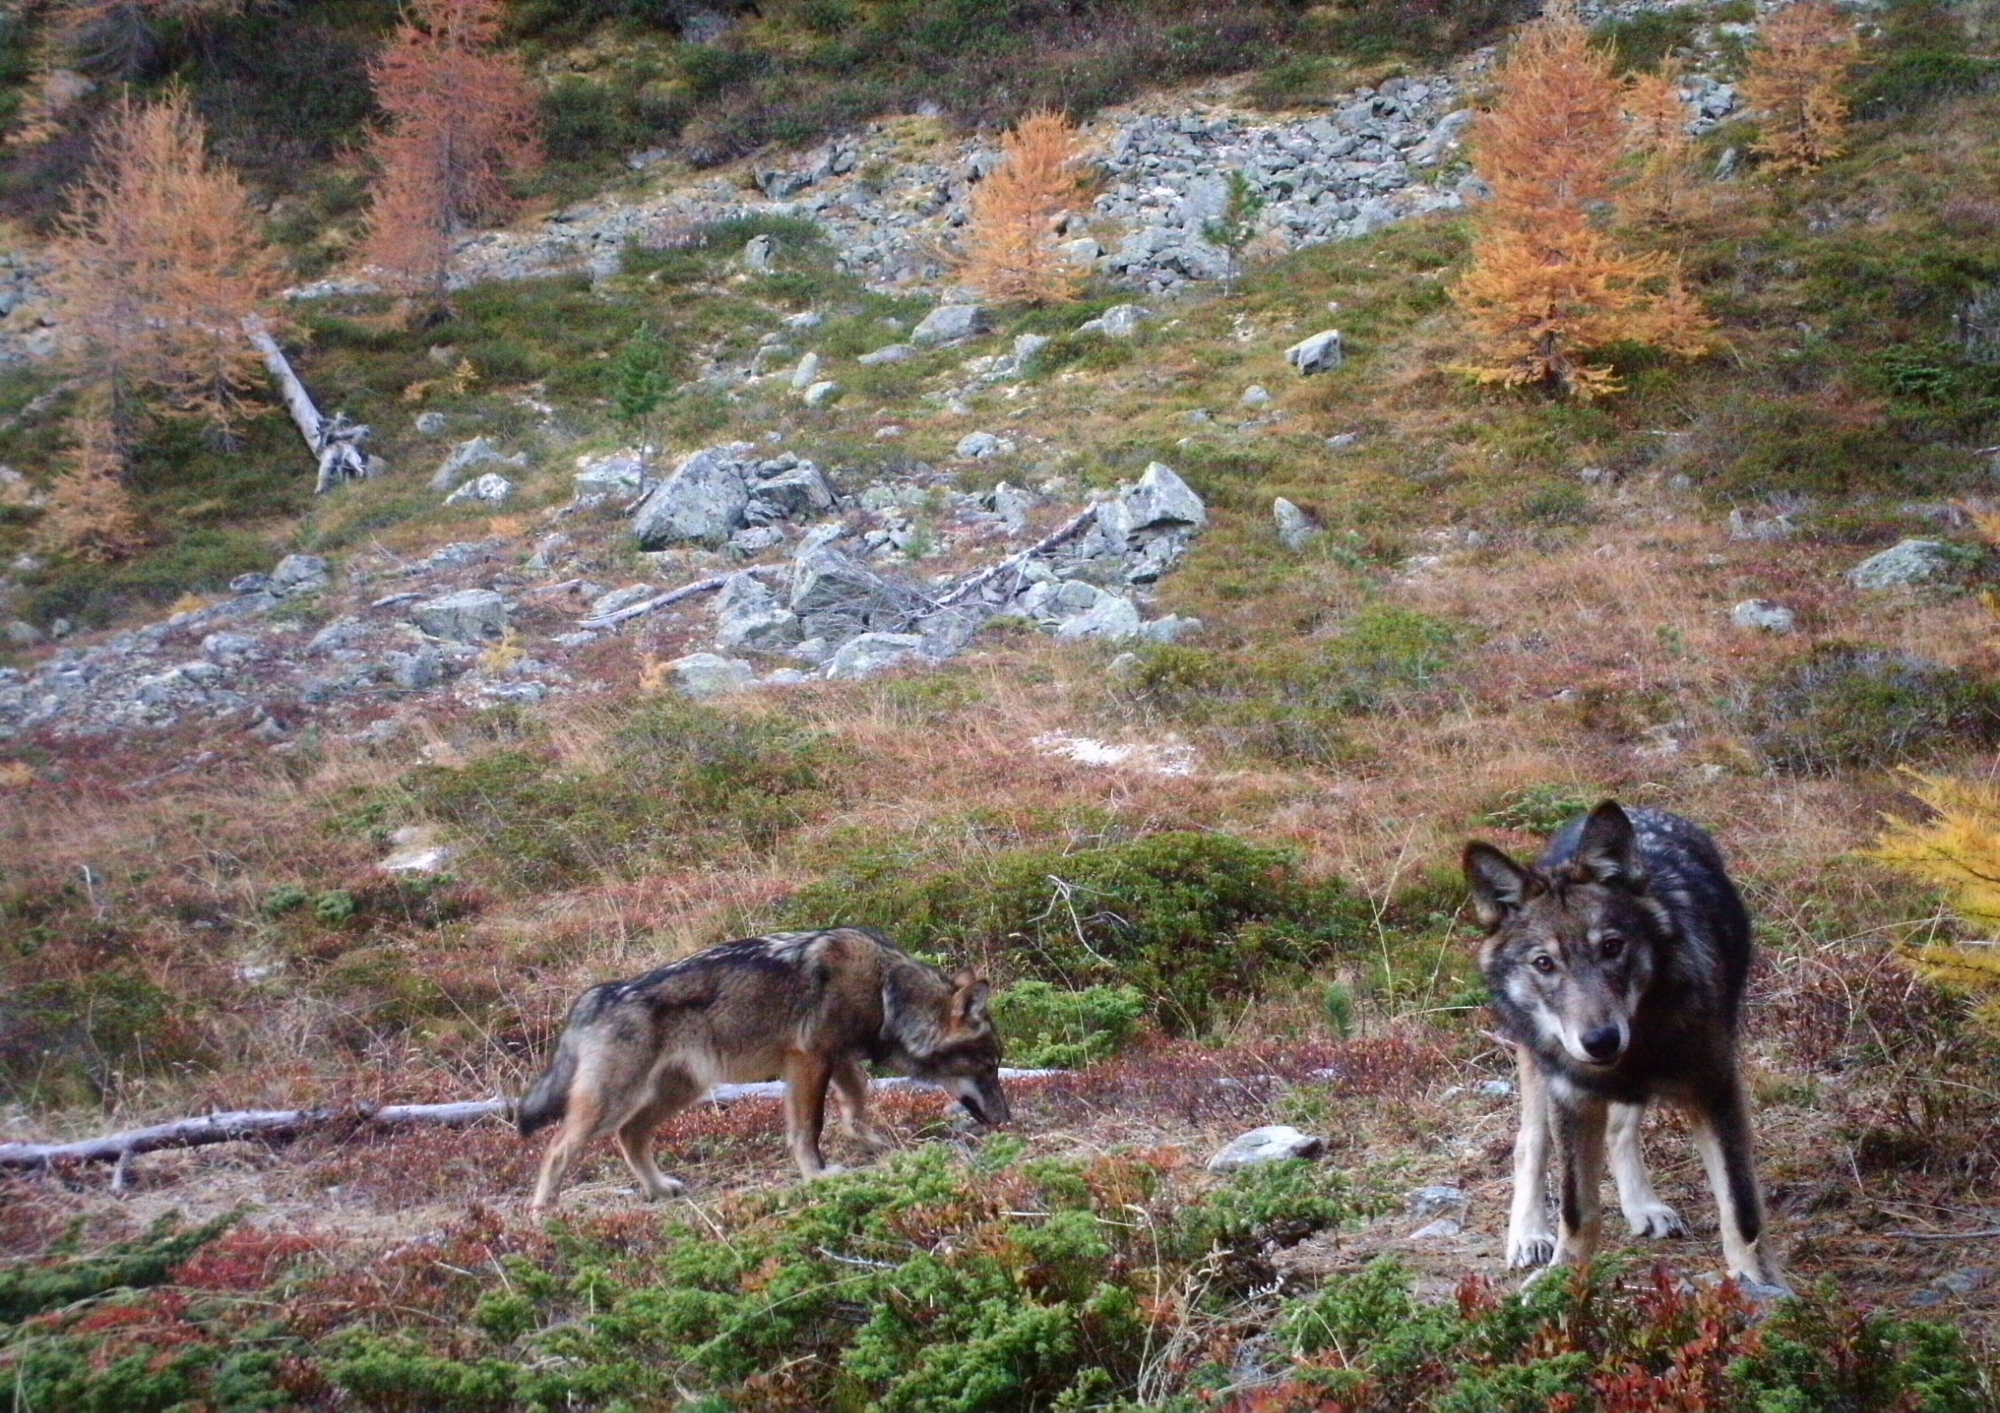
x: 1617, y: 965
x: 807, y: 1007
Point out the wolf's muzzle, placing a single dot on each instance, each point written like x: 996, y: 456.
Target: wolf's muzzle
x: 1604, y: 1044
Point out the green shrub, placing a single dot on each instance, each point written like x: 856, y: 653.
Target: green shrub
x: 1539, y: 809
x: 1645, y: 39
x: 30, y: 1287
x: 1844, y: 706
x: 1043, y: 1027
x: 1197, y: 922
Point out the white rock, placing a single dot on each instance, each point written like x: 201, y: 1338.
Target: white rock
x: 978, y: 446
x: 821, y: 393
x: 1271, y: 1144
x: 1910, y: 562
x: 806, y: 374
x: 489, y: 489
x: 1256, y: 395
x: 1120, y: 321
x: 468, y: 616
x: 1295, y: 527
x: 949, y: 323
x: 703, y: 500
x: 1319, y: 354
x: 888, y: 353
x: 1764, y: 616
x: 1112, y: 619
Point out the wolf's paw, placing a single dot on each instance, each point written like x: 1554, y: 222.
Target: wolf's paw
x: 669, y: 1187
x: 1532, y: 1248
x: 830, y: 1170
x: 1655, y: 1220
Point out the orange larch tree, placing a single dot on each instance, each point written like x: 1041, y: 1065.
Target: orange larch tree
x: 1549, y: 286
x: 160, y: 259
x: 1656, y: 134
x: 1797, y: 70
x: 1011, y: 251
x: 461, y: 122
x: 90, y: 514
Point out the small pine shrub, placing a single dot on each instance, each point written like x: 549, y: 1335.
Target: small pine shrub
x: 1196, y: 922
x: 1044, y: 1027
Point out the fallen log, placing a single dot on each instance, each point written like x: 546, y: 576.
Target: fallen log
x: 1068, y: 530
x: 336, y: 443
x: 240, y: 1125
x: 645, y: 606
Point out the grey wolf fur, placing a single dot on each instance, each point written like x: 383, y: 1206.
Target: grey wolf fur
x: 1617, y: 964
x: 807, y: 1007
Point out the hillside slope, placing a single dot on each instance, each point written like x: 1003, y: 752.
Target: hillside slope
x: 314, y: 837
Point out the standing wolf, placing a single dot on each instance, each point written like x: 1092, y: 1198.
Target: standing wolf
x: 1617, y: 966
x: 807, y: 1007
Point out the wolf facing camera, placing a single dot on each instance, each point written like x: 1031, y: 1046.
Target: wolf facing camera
x: 807, y: 1007
x: 1617, y: 965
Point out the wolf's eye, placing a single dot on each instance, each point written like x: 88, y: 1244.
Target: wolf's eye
x: 1612, y: 947
x: 1544, y: 963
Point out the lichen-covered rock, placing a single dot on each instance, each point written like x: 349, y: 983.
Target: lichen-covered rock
x: 1295, y: 528
x: 1910, y: 562
x: 950, y: 323
x: 711, y: 675
x: 468, y: 616
x: 1272, y: 1144
x: 870, y: 653
x: 703, y: 500
x: 1319, y: 354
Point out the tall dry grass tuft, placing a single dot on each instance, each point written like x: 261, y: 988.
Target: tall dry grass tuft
x: 1011, y: 252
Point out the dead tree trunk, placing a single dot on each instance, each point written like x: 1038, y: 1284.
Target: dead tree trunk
x: 336, y: 443
x: 241, y: 1124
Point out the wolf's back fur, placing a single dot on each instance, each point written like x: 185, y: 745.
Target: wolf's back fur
x: 808, y: 1007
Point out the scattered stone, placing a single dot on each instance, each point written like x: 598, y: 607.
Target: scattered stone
x: 1441, y: 1229
x: 1027, y: 348
x: 430, y: 424
x: 1120, y: 321
x: 1910, y: 562
x: 620, y: 473
x: 250, y: 584
x: 417, y: 671
x: 1170, y: 629
x: 1161, y: 498
x: 702, y: 500
x: 1256, y: 396
x: 950, y: 323
x: 298, y: 574
x: 1319, y: 354
x: 1497, y: 1088
x: 489, y: 489
x: 1112, y: 618
x: 616, y: 599
x: 760, y: 254
x: 228, y: 645
x: 1012, y: 504
x: 1341, y: 441
x: 978, y: 446
x: 711, y: 675
x: 1295, y: 528
x: 888, y: 353
x: 805, y: 319
x: 806, y: 374
x: 22, y: 634
x: 1272, y: 1144
x: 871, y: 653
x: 1438, y: 1201
x: 796, y: 493
x: 466, y: 455
x: 821, y: 393
x: 1770, y: 529
x: 468, y: 616
x: 1762, y: 615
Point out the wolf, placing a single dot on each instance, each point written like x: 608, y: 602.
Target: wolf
x: 1616, y: 965
x: 807, y: 1007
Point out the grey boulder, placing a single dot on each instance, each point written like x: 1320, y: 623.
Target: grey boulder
x: 949, y: 323
x: 871, y: 653
x: 489, y: 489
x: 1295, y: 528
x: 1764, y: 616
x: 1910, y: 562
x: 299, y: 574
x: 703, y: 500
x: 468, y: 616
x: 711, y: 675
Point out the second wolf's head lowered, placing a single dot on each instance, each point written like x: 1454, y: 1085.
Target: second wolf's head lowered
x: 958, y: 1051
x: 1571, y: 949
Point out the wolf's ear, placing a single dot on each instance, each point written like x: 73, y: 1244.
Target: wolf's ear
x: 970, y: 993
x: 1608, y: 850
x: 1499, y: 885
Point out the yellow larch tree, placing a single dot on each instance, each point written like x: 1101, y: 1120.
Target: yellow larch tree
x: 159, y: 260
x: 1549, y: 285
x: 1656, y: 134
x: 1011, y: 251
x: 90, y: 514
x: 1797, y: 72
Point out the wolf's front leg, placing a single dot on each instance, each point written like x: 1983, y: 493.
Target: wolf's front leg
x: 1722, y: 1135
x: 806, y: 1076
x: 1529, y: 1240
x: 1644, y: 1212
x: 1578, y: 1121
x: 850, y: 1088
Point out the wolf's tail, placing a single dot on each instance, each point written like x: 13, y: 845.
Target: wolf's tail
x: 547, y: 1100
